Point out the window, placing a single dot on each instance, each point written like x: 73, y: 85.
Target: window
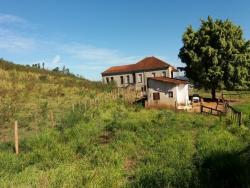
x: 172, y: 74
x: 164, y: 74
x: 156, y: 96
x: 140, y: 78
x: 170, y: 94
x: 121, y: 77
x: 134, y: 78
x: 128, y: 79
x: 153, y: 74
x: 107, y: 79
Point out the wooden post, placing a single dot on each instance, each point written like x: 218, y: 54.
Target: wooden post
x: 16, y: 137
x: 240, y: 118
x: 73, y: 108
x: 52, y: 119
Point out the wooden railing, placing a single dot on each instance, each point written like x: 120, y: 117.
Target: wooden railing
x: 211, y: 111
x: 234, y: 114
x: 233, y: 96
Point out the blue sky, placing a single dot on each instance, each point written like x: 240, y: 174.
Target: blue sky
x: 89, y: 36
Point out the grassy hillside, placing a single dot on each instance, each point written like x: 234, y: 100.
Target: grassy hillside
x: 111, y: 144
x: 31, y: 95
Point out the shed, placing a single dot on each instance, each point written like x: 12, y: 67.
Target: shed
x: 169, y: 92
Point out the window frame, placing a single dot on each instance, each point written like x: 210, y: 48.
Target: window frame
x: 140, y: 78
x: 128, y: 79
x: 170, y: 94
x: 121, y: 80
x: 172, y: 74
x: 107, y: 80
x: 156, y: 96
x: 164, y: 74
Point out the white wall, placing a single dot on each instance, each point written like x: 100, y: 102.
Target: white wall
x: 182, y: 96
x: 163, y: 89
x: 138, y: 84
x: 180, y: 93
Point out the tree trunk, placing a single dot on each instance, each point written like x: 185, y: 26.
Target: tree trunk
x: 213, y: 92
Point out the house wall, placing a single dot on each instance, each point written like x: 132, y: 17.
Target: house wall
x: 117, y: 79
x: 149, y: 74
x: 163, y: 89
x: 180, y: 93
x: 138, y: 85
x: 182, y: 96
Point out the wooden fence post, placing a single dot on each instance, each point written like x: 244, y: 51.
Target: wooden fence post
x: 240, y: 118
x: 85, y: 106
x: 52, y: 119
x: 16, y: 137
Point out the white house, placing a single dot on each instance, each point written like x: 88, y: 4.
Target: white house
x: 135, y: 75
x: 169, y: 92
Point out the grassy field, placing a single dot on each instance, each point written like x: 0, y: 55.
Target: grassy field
x: 113, y: 144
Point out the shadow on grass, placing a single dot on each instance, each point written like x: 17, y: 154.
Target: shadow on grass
x: 220, y: 169
x: 226, y: 169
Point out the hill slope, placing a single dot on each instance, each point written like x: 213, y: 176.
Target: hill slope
x: 111, y: 144
x: 29, y: 95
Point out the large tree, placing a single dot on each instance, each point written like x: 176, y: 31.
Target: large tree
x: 216, y: 55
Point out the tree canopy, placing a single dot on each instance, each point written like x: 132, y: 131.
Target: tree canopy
x: 216, y: 55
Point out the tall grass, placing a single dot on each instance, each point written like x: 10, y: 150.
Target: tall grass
x: 124, y: 146
x: 112, y: 144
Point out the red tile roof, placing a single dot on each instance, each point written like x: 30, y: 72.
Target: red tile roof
x: 148, y: 63
x: 169, y: 80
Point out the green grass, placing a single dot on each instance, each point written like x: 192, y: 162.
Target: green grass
x: 245, y: 109
x: 113, y: 144
x: 130, y: 147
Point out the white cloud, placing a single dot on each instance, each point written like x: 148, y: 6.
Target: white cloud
x: 11, y: 19
x: 56, y: 60
x: 92, y: 54
x: 13, y: 42
x: 16, y: 39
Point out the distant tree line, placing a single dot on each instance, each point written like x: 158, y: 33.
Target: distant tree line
x: 63, y: 70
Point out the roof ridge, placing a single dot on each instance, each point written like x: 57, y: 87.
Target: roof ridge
x: 146, y: 64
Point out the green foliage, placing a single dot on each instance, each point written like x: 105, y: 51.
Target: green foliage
x: 216, y: 55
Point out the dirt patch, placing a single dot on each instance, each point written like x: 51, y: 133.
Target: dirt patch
x: 129, y: 164
x: 210, y: 104
x: 106, y: 137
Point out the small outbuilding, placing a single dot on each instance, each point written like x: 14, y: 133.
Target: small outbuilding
x: 167, y: 92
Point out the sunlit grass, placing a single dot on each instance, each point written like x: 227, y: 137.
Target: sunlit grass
x: 112, y: 144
